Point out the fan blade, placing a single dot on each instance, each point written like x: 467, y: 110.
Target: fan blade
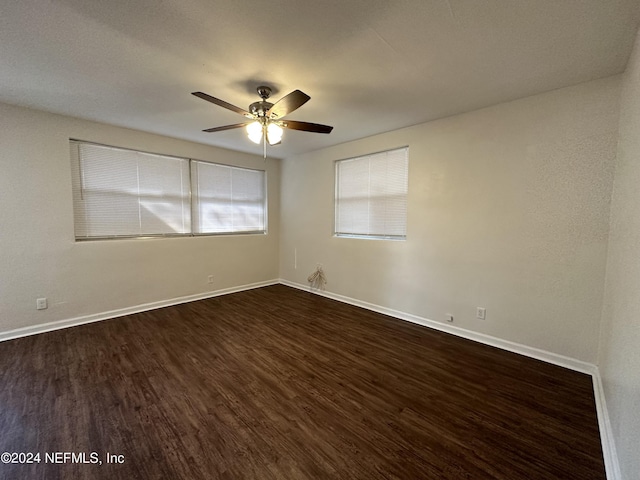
x: 288, y: 104
x: 226, y: 127
x: 222, y: 103
x: 306, y: 126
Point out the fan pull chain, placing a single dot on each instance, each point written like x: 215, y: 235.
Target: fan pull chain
x: 264, y: 142
x: 317, y: 280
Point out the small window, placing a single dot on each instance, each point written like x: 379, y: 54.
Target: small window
x: 371, y: 195
x: 228, y: 199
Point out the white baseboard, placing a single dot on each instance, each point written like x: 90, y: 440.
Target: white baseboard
x: 72, y: 322
x: 514, y: 347
x: 606, y: 433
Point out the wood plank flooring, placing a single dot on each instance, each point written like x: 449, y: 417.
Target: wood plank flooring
x: 276, y: 383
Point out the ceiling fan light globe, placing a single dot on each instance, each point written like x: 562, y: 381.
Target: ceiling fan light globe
x: 254, y: 131
x: 274, y: 134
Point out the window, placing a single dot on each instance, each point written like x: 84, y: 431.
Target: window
x: 125, y: 193
x: 227, y: 199
x: 371, y: 195
x: 121, y: 192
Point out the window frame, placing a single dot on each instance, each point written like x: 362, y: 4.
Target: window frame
x: 370, y: 236
x: 76, y: 171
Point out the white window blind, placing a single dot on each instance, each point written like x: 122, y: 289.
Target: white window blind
x: 371, y: 195
x: 120, y: 192
x: 228, y: 199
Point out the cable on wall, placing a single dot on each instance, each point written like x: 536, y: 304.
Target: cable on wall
x: 317, y: 279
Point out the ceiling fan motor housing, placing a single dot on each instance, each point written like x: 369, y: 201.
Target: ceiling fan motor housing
x: 260, y: 109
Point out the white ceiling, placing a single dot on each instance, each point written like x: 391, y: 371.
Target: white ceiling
x: 369, y: 65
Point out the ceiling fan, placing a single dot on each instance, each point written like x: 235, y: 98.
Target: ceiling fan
x: 265, y: 118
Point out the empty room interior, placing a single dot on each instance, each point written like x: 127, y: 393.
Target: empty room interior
x: 308, y: 240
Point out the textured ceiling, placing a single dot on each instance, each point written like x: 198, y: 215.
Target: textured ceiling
x: 369, y: 65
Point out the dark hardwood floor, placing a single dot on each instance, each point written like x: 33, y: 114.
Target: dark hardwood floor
x: 276, y: 383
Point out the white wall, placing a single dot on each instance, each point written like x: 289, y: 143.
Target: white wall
x: 508, y: 209
x: 619, y: 359
x: 40, y: 258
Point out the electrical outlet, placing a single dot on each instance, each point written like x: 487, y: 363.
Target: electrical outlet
x: 481, y: 313
x: 210, y: 279
x: 41, y: 304
x: 449, y: 318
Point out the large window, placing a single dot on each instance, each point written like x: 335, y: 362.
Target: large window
x: 371, y: 195
x: 125, y: 193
